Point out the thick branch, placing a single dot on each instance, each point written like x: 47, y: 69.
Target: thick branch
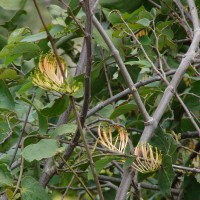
x: 123, y: 70
x: 169, y: 92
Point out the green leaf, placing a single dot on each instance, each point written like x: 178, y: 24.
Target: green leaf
x: 99, y: 39
x: 32, y: 190
x: 129, y: 161
x: 5, y: 176
x: 3, y: 42
x: 145, y: 22
x: 99, y: 165
x: 8, y: 74
x: 145, y: 40
x: 112, y: 17
x: 58, y: 14
x: 123, y: 109
x: 142, y: 177
x: 65, y: 129
x: 11, y: 4
x: 164, y: 142
x: 141, y: 63
x: 45, y: 148
x: 192, y: 102
x: 56, y: 107
x: 5, y: 158
x: 191, y: 188
x: 197, y: 176
x: 123, y: 6
x: 116, y: 41
x: 28, y: 50
x: 18, y: 34
x: 106, y: 111
x: 43, y: 123
x: 35, y: 37
x: 26, y: 86
x: 42, y: 35
x: 80, y: 92
x: 6, y: 99
x: 153, y: 12
x: 25, y: 99
x: 12, y: 23
x: 13, y: 51
x: 166, y: 175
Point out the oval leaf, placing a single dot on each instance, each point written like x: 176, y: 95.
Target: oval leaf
x: 31, y: 189
x: 65, y: 129
x: 145, y: 22
x: 13, y: 51
x: 6, y: 99
x: 45, y: 148
x: 10, y: 4
x: 5, y: 176
x: 56, y: 108
x: 8, y: 74
x: 122, y: 109
x: 99, y: 165
x: 166, y: 176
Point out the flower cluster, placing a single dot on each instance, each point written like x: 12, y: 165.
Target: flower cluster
x: 48, y: 75
x: 117, y: 143
x: 148, y: 158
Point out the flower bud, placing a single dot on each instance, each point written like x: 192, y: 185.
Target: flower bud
x: 48, y: 75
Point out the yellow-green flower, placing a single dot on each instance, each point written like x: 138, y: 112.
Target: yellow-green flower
x: 48, y: 75
x: 117, y: 143
x: 148, y: 158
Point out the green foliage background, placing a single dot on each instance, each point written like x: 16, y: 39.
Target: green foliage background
x: 164, y: 39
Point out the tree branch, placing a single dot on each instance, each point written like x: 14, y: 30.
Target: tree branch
x: 123, y: 70
x: 168, y: 94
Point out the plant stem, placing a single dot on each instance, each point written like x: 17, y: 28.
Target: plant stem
x: 87, y: 150
x: 22, y: 131
x: 75, y: 174
x: 123, y: 70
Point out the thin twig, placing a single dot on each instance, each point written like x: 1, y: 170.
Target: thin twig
x: 182, y: 10
x: 123, y: 70
x: 22, y: 162
x: 7, y: 137
x: 75, y: 139
x: 189, y: 169
x: 67, y: 188
x: 125, y: 92
x: 189, y: 134
x: 22, y: 131
x: 162, y: 75
x: 49, y: 169
x: 78, y: 178
x: 76, y: 188
x: 181, y: 21
x: 50, y: 39
x: 87, y: 151
x: 143, y: 185
x: 188, y: 149
x: 155, y: 4
x: 73, y: 16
